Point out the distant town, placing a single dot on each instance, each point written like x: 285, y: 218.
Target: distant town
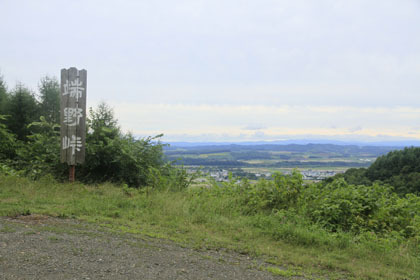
x: 222, y: 175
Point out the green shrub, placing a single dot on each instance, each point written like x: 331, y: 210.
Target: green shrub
x: 115, y: 156
x: 281, y: 193
x: 339, y: 206
x: 7, y: 141
x: 40, y: 155
x: 293, y: 208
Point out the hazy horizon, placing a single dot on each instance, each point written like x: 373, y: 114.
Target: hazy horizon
x: 230, y: 71
x: 401, y: 143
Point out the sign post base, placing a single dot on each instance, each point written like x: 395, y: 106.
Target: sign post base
x: 72, y: 171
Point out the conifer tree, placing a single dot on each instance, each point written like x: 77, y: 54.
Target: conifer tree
x: 4, y: 98
x: 22, y: 110
x: 49, y: 90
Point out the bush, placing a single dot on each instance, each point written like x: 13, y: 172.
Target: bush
x: 117, y: 157
x: 281, y: 193
x: 336, y: 207
x: 7, y: 141
x: 40, y: 156
x: 339, y: 206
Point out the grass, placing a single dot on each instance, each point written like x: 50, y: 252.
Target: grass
x: 212, y: 222
x: 282, y: 272
x: 7, y: 229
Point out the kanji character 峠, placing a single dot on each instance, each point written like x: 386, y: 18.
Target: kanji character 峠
x: 75, y: 143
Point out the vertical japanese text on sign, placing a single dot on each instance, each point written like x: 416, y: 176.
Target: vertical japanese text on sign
x: 73, y: 115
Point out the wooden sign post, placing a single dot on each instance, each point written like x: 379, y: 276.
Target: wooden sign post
x: 73, y: 118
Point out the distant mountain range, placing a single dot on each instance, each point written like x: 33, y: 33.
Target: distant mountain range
x: 406, y: 143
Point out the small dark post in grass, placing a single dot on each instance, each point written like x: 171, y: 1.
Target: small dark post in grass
x: 73, y: 118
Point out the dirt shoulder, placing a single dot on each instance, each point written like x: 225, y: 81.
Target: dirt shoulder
x: 40, y: 247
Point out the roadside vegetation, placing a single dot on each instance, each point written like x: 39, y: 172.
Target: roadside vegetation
x: 336, y: 229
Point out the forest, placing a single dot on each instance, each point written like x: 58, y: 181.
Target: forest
x: 399, y: 169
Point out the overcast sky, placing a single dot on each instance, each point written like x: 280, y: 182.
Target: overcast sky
x: 229, y: 70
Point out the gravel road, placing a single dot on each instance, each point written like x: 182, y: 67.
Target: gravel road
x: 41, y: 247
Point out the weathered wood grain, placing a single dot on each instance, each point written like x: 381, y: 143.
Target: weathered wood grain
x: 73, y: 115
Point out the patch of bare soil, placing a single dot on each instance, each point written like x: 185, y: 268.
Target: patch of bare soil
x: 42, y: 247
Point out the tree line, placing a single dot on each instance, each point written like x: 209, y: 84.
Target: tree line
x: 399, y: 169
x: 30, y: 141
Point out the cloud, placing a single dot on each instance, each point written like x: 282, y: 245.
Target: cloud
x: 277, y: 52
x: 254, y: 127
x: 270, y: 122
x: 355, y: 129
x: 258, y: 135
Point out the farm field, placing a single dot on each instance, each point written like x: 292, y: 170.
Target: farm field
x: 314, y: 161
